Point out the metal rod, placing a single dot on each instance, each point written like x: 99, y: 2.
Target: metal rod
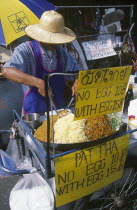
x: 17, y: 172
x: 92, y: 35
x: 131, y: 29
x: 65, y: 74
x: 5, y: 131
x: 131, y: 14
x: 54, y: 107
x: 47, y: 101
x: 97, y: 6
x: 70, y: 102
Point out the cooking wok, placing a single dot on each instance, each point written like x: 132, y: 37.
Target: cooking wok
x: 82, y: 145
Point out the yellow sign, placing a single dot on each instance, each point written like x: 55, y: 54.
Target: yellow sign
x: 101, y: 91
x: 83, y: 172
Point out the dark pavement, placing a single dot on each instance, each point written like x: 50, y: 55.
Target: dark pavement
x: 6, y: 185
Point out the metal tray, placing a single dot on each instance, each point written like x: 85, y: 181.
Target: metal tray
x: 83, y: 145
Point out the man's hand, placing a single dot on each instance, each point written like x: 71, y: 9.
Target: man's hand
x: 17, y: 75
x: 134, y: 65
x: 75, y: 87
x: 41, y: 86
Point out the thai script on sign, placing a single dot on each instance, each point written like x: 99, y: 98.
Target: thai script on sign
x: 103, y: 76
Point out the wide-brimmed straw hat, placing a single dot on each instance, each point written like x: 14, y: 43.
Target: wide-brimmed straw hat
x: 51, y: 29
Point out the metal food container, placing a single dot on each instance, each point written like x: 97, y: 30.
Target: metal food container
x: 32, y: 120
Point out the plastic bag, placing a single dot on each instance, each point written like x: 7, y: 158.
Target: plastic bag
x: 6, y: 162
x: 12, y: 151
x: 32, y: 192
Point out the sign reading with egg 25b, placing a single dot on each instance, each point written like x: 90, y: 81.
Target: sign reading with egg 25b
x: 101, y: 91
x: 83, y: 172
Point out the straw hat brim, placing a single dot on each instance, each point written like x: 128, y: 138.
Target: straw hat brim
x: 42, y: 35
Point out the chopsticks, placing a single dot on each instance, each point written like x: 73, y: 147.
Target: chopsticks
x: 53, y: 105
x: 70, y: 102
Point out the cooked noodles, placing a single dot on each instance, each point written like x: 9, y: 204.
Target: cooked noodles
x: 69, y: 131
x: 66, y: 130
x: 98, y: 127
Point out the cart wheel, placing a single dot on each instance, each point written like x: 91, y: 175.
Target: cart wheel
x: 122, y: 194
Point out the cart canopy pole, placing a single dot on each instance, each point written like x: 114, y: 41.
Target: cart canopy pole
x: 47, y: 101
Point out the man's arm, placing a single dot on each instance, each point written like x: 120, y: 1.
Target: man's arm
x: 18, y: 76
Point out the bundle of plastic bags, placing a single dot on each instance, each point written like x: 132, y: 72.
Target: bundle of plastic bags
x: 32, y: 192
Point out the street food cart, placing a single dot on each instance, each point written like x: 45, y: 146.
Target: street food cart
x: 78, y: 171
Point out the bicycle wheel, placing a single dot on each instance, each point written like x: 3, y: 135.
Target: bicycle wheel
x: 121, y: 194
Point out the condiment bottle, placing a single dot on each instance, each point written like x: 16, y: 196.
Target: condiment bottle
x: 131, y: 117
x: 129, y: 96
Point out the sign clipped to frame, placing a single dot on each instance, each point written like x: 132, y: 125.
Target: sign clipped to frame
x: 101, y: 91
x: 97, y: 49
x: 83, y: 172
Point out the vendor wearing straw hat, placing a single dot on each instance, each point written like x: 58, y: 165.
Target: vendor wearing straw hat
x: 31, y: 60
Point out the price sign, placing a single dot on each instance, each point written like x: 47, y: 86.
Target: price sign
x: 83, y: 172
x: 101, y: 91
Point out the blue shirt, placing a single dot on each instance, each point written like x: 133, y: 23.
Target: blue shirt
x: 23, y: 59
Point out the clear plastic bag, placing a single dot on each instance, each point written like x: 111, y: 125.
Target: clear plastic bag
x: 6, y: 162
x: 32, y: 192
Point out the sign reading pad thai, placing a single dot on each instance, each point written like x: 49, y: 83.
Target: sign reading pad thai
x: 101, y: 91
x: 83, y: 172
